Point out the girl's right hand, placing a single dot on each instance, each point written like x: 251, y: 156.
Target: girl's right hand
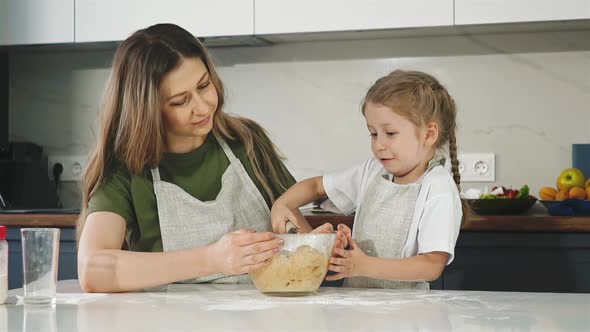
x: 347, y: 263
x: 280, y: 214
x: 243, y: 251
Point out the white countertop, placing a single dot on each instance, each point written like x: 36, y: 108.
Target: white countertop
x: 242, y: 308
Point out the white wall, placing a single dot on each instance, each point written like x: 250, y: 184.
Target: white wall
x: 523, y: 96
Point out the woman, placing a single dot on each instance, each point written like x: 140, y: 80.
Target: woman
x: 181, y: 184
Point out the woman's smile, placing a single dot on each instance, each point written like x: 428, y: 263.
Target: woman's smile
x: 203, y: 122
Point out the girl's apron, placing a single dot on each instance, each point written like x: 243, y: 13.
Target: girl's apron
x: 382, y: 225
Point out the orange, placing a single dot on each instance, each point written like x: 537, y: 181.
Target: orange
x: 561, y: 195
x: 547, y: 193
x: 588, y: 193
x: 577, y: 192
x: 588, y: 183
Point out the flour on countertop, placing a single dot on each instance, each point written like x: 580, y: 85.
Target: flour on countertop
x: 249, y: 302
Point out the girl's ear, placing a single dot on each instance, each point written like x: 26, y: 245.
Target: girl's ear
x: 431, y: 133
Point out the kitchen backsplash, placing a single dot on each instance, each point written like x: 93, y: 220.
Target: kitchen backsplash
x: 523, y: 96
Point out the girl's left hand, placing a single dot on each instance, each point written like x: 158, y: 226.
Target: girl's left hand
x: 342, y: 236
x: 347, y: 263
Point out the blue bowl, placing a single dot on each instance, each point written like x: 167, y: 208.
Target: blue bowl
x: 568, y: 207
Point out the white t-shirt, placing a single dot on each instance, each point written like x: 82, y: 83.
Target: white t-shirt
x: 437, y: 213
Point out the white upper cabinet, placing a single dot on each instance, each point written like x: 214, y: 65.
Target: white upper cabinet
x: 24, y: 22
x: 36, y: 22
x: 292, y: 16
x: 113, y: 20
x: 508, y: 11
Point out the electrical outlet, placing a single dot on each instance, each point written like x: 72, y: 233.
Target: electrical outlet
x: 73, y: 166
x: 477, y: 167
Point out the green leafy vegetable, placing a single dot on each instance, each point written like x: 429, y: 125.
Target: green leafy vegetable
x: 524, y: 192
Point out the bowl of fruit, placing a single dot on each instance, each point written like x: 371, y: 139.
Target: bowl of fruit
x: 503, y: 201
x: 570, y: 196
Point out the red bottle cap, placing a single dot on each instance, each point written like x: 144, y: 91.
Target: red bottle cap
x: 2, y: 233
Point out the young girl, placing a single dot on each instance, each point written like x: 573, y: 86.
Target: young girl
x: 408, y: 209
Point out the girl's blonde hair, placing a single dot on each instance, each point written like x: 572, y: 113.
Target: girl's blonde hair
x: 131, y: 130
x: 421, y: 98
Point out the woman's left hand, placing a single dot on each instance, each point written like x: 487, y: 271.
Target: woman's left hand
x: 341, y: 241
x: 347, y: 263
x: 325, y: 228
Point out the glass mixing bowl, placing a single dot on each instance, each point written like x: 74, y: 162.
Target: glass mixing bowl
x: 299, y: 268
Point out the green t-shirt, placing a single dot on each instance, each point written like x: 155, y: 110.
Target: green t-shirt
x: 197, y: 172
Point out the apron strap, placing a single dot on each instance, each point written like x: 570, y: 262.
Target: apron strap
x: 155, y: 174
x: 228, y: 152
x: 436, y: 161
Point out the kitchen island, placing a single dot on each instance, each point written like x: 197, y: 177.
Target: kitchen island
x: 181, y: 307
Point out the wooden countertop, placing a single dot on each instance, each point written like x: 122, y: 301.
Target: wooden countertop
x: 520, y: 223
x: 477, y: 223
x: 38, y: 220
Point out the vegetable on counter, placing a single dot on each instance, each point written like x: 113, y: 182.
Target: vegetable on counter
x: 503, y: 193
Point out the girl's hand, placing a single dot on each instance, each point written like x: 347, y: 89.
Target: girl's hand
x: 243, y: 251
x: 347, y: 263
x: 342, y: 236
x: 280, y: 214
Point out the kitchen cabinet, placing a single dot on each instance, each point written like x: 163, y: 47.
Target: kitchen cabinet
x: 67, y: 266
x: 114, y: 20
x: 522, y: 262
x: 25, y: 22
x: 509, y: 11
x: 294, y: 16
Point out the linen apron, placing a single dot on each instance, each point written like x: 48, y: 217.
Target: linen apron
x: 383, y: 223
x: 186, y: 222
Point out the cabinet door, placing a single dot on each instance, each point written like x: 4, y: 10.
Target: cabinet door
x: 520, y: 262
x: 507, y: 11
x: 36, y: 22
x: 292, y: 16
x: 113, y: 20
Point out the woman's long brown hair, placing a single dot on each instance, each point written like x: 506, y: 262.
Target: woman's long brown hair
x: 131, y: 131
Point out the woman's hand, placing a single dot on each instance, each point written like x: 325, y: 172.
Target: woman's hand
x: 280, y: 214
x: 341, y: 241
x: 325, y: 228
x: 243, y: 251
x: 347, y: 263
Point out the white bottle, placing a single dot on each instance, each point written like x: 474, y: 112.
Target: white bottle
x: 3, y: 265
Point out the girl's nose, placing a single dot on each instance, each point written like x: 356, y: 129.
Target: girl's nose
x: 379, y: 143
